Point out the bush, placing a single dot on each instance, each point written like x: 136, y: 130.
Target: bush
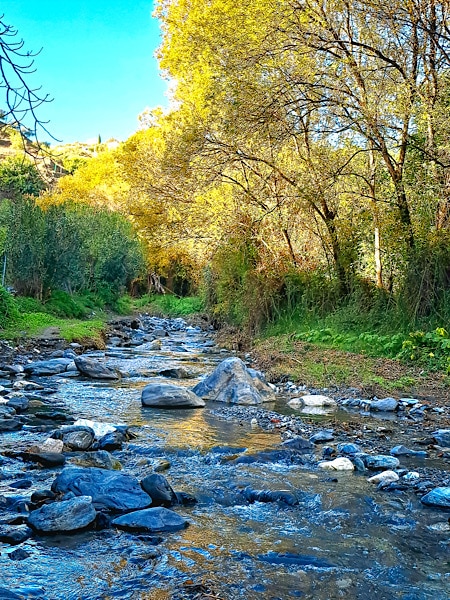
x: 9, y: 312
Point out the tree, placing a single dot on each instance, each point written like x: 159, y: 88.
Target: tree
x: 21, y: 101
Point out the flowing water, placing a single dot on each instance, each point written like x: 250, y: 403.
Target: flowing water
x: 344, y: 540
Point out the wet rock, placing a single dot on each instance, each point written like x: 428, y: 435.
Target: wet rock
x: 21, y: 484
x: 175, y: 373
x: 19, y: 403
x: 439, y: 497
x: 111, y: 441
x: 10, y: 424
x: 266, y: 496
x: 338, y: 464
x: 98, y: 458
x: 384, y: 405
x: 403, y: 451
x: 298, y: 444
x: 151, y: 520
x: 109, y: 490
x: 53, y: 366
x: 18, y: 554
x: 67, y: 515
x: 384, y: 477
x: 185, y: 499
x: 233, y: 383
x: 442, y: 437
x: 42, y: 497
x: 166, y: 395
x: 160, y: 490
x: 380, y: 461
x: 14, y: 534
x: 94, y: 368
x: 78, y: 439
x: 44, y: 459
x: 321, y: 437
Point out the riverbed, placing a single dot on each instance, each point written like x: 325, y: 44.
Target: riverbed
x: 343, y: 539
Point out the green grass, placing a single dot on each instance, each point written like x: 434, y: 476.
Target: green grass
x: 34, y: 324
x: 367, y: 334
x: 169, y: 305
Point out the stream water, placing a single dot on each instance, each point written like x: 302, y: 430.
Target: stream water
x: 345, y: 539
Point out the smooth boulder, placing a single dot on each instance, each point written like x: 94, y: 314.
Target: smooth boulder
x: 233, y: 383
x: 110, y: 490
x: 151, y: 520
x: 94, y: 368
x: 68, y: 515
x: 53, y: 366
x: 167, y: 395
x: 384, y: 405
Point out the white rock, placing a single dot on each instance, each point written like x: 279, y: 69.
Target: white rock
x: 317, y: 400
x: 100, y: 429
x: 254, y: 423
x: 385, y: 477
x: 52, y: 445
x: 338, y: 464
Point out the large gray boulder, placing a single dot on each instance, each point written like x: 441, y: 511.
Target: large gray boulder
x: 151, y: 520
x: 68, y: 515
x: 233, y: 383
x: 94, y: 368
x: 167, y: 395
x: 53, y: 366
x: 110, y: 490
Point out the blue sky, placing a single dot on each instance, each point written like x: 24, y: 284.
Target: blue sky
x: 97, y: 62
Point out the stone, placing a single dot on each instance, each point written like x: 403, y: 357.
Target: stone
x: 159, y: 489
x: 380, y: 461
x: 175, y: 373
x: 442, y: 437
x: 14, y: 534
x: 384, y: 405
x: 111, y: 441
x: 10, y: 424
x: 110, y: 490
x: 317, y: 400
x: 94, y: 368
x: 53, y: 366
x: 233, y: 383
x: 403, y: 451
x: 78, y: 439
x: 439, y: 497
x: 19, y: 403
x: 99, y: 458
x: 384, y: 477
x: 298, y: 444
x: 44, y: 459
x: 167, y: 395
x: 266, y: 496
x: 151, y: 520
x: 67, y: 515
x: 52, y: 445
x: 338, y: 464
x: 348, y: 448
x: 321, y: 437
